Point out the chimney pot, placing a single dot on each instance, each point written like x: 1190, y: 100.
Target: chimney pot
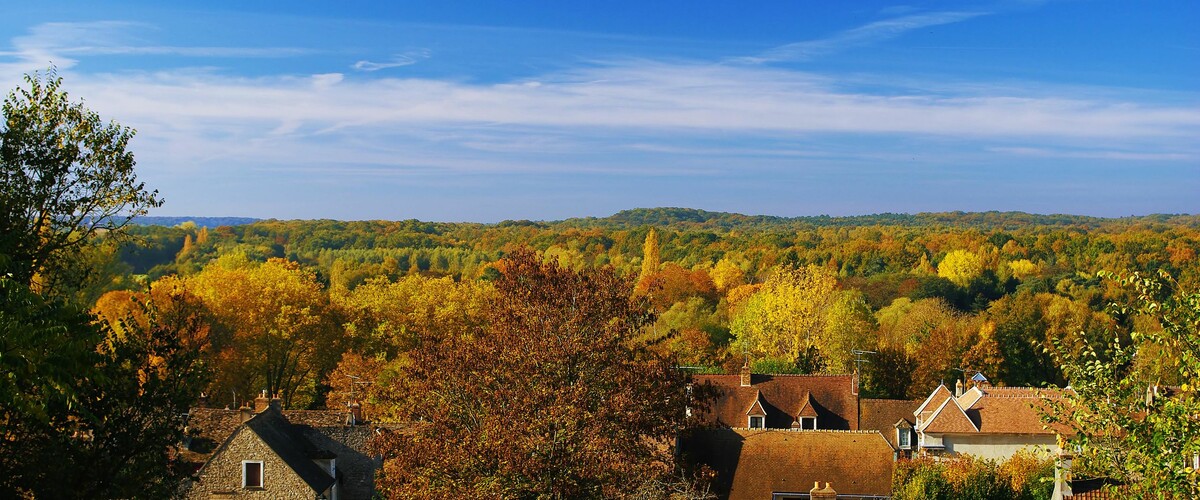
x: 261, y: 402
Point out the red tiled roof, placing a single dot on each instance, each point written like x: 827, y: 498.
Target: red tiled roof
x: 883, y: 414
x: 806, y: 409
x: 830, y: 397
x: 753, y: 463
x: 1011, y: 410
x: 934, y: 400
x: 756, y: 408
x: 992, y: 410
x: 949, y: 419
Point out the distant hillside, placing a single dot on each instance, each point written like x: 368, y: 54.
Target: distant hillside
x: 200, y: 221
x: 694, y: 219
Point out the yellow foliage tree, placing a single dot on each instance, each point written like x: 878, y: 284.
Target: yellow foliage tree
x: 849, y: 325
x: 387, y: 318
x: 787, y: 317
x: 960, y: 267
x: 726, y: 275
x: 651, y: 259
x: 1022, y: 268
x: 284, y: 337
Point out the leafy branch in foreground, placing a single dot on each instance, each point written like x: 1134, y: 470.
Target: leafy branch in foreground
x: 1124, y: 424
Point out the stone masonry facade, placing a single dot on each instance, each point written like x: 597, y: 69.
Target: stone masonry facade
x: 222, y: 476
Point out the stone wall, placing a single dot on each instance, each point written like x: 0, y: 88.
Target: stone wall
x: 221, y: 477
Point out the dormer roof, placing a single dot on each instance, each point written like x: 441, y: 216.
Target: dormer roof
x: 756, y: 408
x: 806, y: 407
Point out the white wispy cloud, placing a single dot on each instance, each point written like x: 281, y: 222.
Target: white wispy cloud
x: 1095, y: 154
x: 62, y: 43
x: 871, y: 33
x: 405, y: 59
x: 569, y: 120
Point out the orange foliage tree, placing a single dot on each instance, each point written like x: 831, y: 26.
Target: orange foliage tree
x: 552, y: 399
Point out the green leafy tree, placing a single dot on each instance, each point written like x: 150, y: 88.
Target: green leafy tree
x: 1024, y: 476
x: 65, y: 176
x: 1126, y: 426
x: 85, y: 409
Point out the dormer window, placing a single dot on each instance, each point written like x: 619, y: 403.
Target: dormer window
x: 757, y: 413
x: 808, y: 423
x: 903, y: 438
x: 252, y: 474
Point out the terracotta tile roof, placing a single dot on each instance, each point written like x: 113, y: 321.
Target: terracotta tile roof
x: 806, y: 409
x: 883, y: 414
x: 830, y: 397
x: 934, y: 400
x: 990, y: 410
x: 754, y: 463
x: 756, y: 408
x: 1011, y: 410
x: 969, y: 397
x: 949, y: 419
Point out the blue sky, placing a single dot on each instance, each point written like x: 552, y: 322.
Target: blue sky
x: 468, y: 111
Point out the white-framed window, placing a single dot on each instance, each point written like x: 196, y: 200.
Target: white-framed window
x: 808, y: 423
x: 902, y: 438
x: 757, y: 422
x: 252, y: 474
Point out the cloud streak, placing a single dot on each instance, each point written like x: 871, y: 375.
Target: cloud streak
x: 625, y: 117
x: 63, y: 43
x: 863, y: 35
x: 401, y: 60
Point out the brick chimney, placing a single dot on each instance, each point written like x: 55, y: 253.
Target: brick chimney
x: 356, y: 416
x: 819, y: 493
x: 746, y: 373
x: 277, y: 401
x: 958, y: 388
x: 261, y: 402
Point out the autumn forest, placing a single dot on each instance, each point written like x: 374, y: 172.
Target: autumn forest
x: 930, y: 294
x: 542, y: 359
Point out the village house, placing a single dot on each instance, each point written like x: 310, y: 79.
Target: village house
x: 264, y: 451
x: 774, y: 436
x: 985, y: 421
x: 759, y: 401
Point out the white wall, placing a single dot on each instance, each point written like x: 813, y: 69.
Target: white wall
x: 999, y: 446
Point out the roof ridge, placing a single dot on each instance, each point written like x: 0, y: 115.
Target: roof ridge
x: 810, y: 431
x: 778, y: 374
x: 807, y: 374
